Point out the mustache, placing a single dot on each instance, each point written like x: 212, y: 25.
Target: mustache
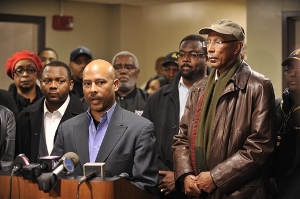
x: 186, y: 64
x: 212, y: 55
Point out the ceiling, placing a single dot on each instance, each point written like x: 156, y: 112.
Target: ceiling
x: 134, y: 2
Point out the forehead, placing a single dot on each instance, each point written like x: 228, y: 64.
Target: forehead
x: 294, y: 63
x: 190, y: 45
x: 25, y: 63
x: 82, y: 57
x: 48, y: 53
x: 97, y: 72
x: 128, y: 59
x: 55, y: 71
x: 216, y: 35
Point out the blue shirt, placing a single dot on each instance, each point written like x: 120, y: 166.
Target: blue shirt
x: 96, y: 135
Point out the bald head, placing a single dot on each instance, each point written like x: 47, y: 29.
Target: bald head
x: 99, y: 86
x: 104, y: 67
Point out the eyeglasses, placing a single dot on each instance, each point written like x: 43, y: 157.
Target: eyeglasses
x: 126, y: 68
x: 289, y: 71
x: 216, y: 43
x: 20, y: 71
x: 190, y: 55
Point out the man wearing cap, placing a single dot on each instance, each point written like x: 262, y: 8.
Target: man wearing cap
x: 128, y: 96
x: 79, y: 58
x: 226, y: 134
x: 165, y: 107
x: 287, y: 159
x: 24, y: 68
x: 170, y: 66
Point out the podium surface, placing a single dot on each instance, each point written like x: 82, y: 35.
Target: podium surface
x: 108, y: 188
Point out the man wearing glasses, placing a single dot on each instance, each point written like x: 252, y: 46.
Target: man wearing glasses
x: 226, y: 134
x: 165, y: 108
x: 287, y: 159
x: 127, y: 69
x: 24, y: 68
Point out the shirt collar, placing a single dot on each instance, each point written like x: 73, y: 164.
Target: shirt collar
x: 62, y: 109
x: 108, y: 113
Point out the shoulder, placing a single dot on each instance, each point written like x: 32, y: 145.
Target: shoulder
x: 75, y: 121
x: 142, y: 93
x: 131, y: 118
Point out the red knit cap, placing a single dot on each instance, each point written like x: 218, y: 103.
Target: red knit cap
x: 11, y: 62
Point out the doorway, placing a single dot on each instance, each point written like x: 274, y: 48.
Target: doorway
x: 19, y: 32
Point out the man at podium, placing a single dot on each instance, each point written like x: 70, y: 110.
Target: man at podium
x: 107, y: 133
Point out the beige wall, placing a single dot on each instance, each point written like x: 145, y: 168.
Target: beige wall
x: 152, y: 31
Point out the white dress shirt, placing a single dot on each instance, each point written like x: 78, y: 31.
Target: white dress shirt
x: 51, y: 122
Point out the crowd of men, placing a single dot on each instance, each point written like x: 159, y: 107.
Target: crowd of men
x: 206, y: 126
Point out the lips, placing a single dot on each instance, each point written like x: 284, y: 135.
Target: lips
x: 123, y: 79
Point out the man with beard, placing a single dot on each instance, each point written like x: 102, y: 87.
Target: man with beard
x: 79, y: 58
x: 107, y: 133
x: 37, y: 124
x: 165, y: 107
x: 24, y: 68
x: 127, y: 69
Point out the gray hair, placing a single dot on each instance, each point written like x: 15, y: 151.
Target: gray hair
x: 135, y: 60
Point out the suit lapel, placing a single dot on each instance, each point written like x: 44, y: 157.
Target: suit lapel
x: 81, y: 136
x: 113, y: 134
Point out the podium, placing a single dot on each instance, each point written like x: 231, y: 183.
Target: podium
x: 98, y: 188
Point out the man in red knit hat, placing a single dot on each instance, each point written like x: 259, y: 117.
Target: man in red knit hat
x: 24, y: 68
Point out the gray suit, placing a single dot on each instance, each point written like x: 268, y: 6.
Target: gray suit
x: 128, y: 146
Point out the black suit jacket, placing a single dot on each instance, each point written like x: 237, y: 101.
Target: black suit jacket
x: 128, y: 146
x: 30, y: 126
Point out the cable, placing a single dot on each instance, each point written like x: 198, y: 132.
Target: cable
x: 77, y: 190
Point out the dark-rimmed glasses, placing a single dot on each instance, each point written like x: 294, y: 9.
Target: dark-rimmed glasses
x: 190, y: 55
x: 126, y: 68
x: 289, y: 71
x: 20, y: 71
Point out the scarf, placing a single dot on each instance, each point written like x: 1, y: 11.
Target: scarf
x: 213, y: 92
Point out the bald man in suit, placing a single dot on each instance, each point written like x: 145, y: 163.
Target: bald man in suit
x: 107, y: 133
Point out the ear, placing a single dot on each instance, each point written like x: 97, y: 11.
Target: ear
x: 116, y: 84
x: 71, y: 85
x: 238, y: 47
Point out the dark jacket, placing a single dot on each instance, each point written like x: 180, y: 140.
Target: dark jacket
x: 162, y: 109
x: 128, y: 146
x: 243, y: 137
x: 134, y: 101
x: 30, y: 125
x: 7, y: 138
x: 22, y: 102
x: 286, y: 165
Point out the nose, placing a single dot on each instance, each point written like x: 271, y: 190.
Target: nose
x: 53, y: 84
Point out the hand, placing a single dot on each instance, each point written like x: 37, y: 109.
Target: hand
x: 205, y: 182
x: 167, y: 184
x: 190, y: 186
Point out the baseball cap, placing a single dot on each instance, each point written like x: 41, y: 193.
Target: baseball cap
x: 294, y: 55
x: 227, y: 27
x: 79, y: 51
x: 171, y: 58
x: 25, y: 54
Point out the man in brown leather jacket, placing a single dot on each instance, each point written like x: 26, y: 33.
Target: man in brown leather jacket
x: 227, y: 133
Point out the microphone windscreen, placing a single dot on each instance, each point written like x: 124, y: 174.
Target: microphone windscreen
x: 73, y: 156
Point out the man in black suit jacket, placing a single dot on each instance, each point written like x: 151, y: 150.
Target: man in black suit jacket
x: 107, y: 133
x: 37, y: 124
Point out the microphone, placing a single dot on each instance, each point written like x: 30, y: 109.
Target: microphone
x: 34, y: 170
x: 92, y: 170
x: 125, y: 176
x: 20, y: 161
x: 48, y: 163
x: 67, y: 163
